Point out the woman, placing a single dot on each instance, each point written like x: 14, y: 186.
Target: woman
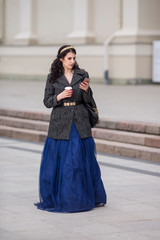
x: 70, y: 178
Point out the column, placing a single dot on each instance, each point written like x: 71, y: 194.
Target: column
x: 130, y: 50
x: 1, y: 20
x: 140, y: 19
x: 83, y: 22
x: 27, y: 34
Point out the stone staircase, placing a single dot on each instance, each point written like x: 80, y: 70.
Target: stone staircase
x: 125, y: 138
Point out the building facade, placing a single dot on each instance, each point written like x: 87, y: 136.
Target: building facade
x: 113, y: 38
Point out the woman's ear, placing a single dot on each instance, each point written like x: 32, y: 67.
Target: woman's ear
x: 61, y: 59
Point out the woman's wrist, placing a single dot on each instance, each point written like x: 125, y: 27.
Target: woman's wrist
x: 59, y: 97
x: 87, y: 90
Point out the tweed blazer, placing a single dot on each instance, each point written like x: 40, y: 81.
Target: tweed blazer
x: 62, y: 117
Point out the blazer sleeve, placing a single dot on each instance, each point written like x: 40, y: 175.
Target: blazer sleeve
x: 87, y: 95
x: 50, y: 98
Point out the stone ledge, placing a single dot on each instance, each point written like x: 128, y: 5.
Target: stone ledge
x: 152, y: 141
x: 25, y: 134
x: 25, y: 114
x: 24, y: 123
x: 99, y: 133
x: 119, y: 136
x: 127, y: 137
x: 111, y: 147
x: 130, y: 126
x: 128, y: 150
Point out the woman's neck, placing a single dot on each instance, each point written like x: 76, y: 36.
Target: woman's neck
x: 68, y: 71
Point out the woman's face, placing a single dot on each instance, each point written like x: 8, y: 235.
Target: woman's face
x: 68, y: 61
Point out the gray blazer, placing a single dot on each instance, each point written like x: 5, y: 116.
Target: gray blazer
x: 62, y: 116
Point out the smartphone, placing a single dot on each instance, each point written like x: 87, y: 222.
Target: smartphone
x: 86, y: 80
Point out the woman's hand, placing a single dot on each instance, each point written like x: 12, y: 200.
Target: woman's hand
x: 85, y: 85
x: 65, y: 94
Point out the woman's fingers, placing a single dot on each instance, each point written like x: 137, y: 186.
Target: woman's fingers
x: 84, y: 85
x: 68, y: 93
x: 64, y: 94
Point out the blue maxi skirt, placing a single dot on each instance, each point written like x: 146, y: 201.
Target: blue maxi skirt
x: 70, y: 177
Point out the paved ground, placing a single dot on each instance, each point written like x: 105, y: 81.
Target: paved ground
x: 139, y: 103
x: 132, y: 212
x: 133, y: 187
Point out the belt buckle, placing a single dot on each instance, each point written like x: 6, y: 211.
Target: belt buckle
x: 70, y: 104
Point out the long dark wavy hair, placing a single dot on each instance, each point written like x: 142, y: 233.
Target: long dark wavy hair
x: 57, y: 69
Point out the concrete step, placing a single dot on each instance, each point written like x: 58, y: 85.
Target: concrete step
x: 106, y: 134
x: 129, y: 126
x: 25, y: 134
x: 105, y: 146
x: 130, y: 139
x: 24, y: 123
x: 127, y: 137
x: 40, y: 116
x: 128, y: 150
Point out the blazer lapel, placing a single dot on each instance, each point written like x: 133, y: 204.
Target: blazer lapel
x: 63, y: 81
x: 77, y: 77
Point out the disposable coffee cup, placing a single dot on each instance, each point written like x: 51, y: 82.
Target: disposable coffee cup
x: 68, y: 88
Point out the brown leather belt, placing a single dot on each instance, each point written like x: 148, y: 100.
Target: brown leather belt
x: 66, y: 104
